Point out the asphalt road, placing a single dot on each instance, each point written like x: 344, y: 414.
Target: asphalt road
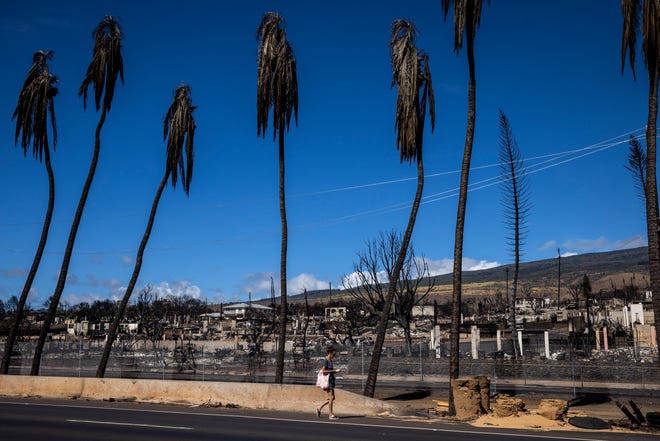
x: 31, y: 419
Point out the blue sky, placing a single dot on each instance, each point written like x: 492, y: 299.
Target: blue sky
x: 553, y: 67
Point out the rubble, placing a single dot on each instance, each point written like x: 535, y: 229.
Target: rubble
x: 506, y: 405
x: 553, y: 409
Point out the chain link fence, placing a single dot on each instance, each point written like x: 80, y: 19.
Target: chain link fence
x: 209, y: 361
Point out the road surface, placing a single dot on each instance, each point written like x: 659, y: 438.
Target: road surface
x: 32, y: 419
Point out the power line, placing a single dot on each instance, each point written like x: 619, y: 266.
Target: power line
x: 546, y: 161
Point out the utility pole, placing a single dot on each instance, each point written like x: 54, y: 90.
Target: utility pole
x: 272, y: 293
x: 558, y: 277
x: 507, y: 285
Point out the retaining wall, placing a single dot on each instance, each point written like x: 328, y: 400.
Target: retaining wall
x: 285, y: 397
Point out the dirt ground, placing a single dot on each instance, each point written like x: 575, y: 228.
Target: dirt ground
x: 595, y: 408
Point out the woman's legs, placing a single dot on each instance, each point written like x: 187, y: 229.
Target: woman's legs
x: 329, y: 401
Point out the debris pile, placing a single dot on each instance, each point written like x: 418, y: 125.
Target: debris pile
x: 506, y: 405
x: 553, y: 409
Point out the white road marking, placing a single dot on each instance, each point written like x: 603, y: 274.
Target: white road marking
x: 113, y: 423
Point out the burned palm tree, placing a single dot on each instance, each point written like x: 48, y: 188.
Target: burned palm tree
x: 411, y: 75
x: 467, y: 15
x: 516, y: 208
x: 179, y: 132
x: 102, y: 74
x: 277, y: 87
x: 35, y: 107
x: 650, y: 30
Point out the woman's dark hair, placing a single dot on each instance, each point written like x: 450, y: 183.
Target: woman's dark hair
x: 330, y: 348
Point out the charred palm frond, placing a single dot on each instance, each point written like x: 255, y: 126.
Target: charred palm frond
x: 411, y: 75
x: 277, y: 82
x: 637, y: 165
x: 630, y: 11
x: 179, y: 129
x: 106, y: 65
x: 35, y: 105
x: 650, y: 29
x: 467, y: 17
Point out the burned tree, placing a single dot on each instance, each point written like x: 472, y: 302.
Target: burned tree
x: 369, y: 282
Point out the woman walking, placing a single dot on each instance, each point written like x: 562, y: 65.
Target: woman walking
x: 329, y: 369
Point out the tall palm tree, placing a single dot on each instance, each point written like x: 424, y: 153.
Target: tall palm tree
x: 467, y: 15
x: 34, y: 108
x: 179, y: 130
x: 411, y: 75
x: 277, y: 87
x: 102, y: 73
x: 650, y: 28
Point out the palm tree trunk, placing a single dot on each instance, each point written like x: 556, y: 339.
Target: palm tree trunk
x: 460, y: 223
x: 370, y: 385
x: 516, y: 266
x: 652, y: 195
x: 13, y: 332
x: 100, y: 372
x: 55, y: 298
x: 279, y: 370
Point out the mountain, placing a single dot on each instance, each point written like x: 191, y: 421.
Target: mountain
x: 606, y: 271
x: 595, y: 265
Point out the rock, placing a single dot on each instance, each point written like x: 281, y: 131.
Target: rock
x: 506, y: 405
x: 553, y: 409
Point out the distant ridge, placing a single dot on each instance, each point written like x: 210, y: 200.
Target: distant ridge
x: 595, y: 265
x: 541, y: 273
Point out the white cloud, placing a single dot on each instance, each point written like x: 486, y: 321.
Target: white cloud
x: 258, y: 284
x: 446, y: 266
x: 435, y: 268
x: 476, y: 265
x: 354, y: 279
x: 126, y: 260
x: 601, y: 244
x: 71, y: 279
x: 177, y: 289
x: 304, y: 281
x: 631, y: 242
x: 15, y: 272
x: 440, y: 266
x: 163, y: 289
x: 77, y: 298
x: 548, y: 245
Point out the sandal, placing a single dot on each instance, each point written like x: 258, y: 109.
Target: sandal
x: 333, y: 417
x: 318, y: 412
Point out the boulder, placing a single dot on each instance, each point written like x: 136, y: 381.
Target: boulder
x: 506, y: 405
x: 553, y: 409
